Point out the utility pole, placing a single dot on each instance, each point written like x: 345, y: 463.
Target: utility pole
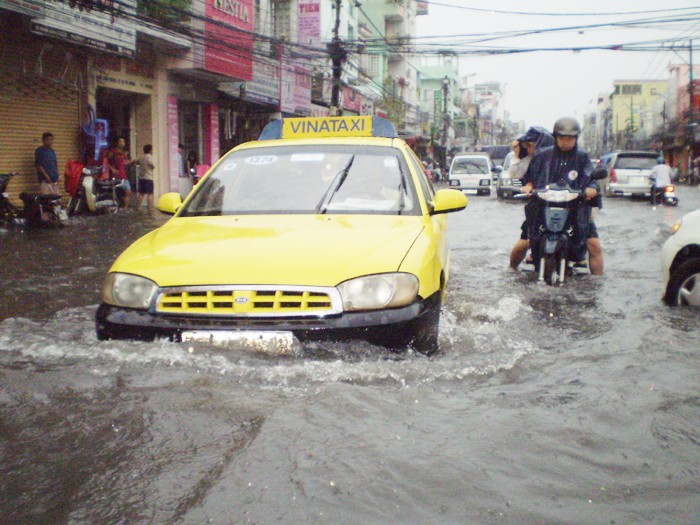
x: 338, y: 56
x: 691, y: 87
x: 691, y: 115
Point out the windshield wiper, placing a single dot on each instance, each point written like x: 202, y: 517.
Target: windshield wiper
x: 335, y: 185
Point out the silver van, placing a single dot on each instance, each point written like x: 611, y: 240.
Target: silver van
x: 628, y: 173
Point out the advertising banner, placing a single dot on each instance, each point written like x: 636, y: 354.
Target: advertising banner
x: 229, y: 26
x: 296, y: 88
x: 173, y: 139
x: 109, y: 25
x: 352, y: 101
x: 211, y: 134
x: 310, y: 22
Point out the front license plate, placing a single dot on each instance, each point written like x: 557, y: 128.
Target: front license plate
x: 278, y: 342
x: 470, y: 192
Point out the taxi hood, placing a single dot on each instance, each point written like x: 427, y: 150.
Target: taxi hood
x: 314, y: 250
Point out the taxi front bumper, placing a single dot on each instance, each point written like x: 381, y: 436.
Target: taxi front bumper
x: 392, y: 327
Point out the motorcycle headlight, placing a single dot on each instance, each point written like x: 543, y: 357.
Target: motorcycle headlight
x: 372, y: 292
x: 129, y: 291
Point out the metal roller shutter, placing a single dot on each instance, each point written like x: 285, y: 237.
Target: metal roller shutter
x: 31, y: 104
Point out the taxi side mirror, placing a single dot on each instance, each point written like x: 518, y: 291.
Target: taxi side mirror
x: 169, y: 203
x: 446, y: 201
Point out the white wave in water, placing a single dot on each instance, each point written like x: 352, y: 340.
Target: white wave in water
x: 70, y: 337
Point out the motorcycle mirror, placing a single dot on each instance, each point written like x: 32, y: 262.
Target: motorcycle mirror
x: 599, y: 174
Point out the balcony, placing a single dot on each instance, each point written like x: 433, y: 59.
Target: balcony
x: 395, y: 11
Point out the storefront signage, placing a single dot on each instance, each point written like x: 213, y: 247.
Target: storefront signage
x: 173, y: 138
x: 265, y: 86
x: 25, y: 7
x: 229, y: 26
x: 109, y: 26
x: 310, y: 22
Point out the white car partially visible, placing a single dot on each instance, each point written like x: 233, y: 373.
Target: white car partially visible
x: 680, y: 258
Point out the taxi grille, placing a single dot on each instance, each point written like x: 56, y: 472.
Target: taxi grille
x: 244, y: 301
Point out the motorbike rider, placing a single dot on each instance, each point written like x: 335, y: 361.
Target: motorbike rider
x: 660, y: 177
x: 563, y: 162
x: 524, y: 148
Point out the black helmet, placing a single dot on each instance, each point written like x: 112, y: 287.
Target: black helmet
x: 566, y: 127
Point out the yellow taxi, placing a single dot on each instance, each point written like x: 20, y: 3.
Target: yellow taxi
x: 323, y: 229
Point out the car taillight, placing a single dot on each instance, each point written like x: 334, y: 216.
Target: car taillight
x: 613, y: 177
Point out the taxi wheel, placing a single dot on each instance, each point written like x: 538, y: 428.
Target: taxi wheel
x: 425, y: 333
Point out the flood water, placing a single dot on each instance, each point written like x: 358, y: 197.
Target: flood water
x: 572, y: 405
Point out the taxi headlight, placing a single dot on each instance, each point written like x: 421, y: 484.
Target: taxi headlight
x: 387, y: 290
x: 129, y: 291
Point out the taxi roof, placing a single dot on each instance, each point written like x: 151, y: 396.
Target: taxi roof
x: 328, y: 127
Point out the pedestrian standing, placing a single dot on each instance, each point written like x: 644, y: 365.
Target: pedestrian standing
x: 46, y: 165
x: 145, y: 184
x: 118, y: 161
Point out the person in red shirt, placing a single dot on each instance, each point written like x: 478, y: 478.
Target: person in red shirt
x: 118, y: 161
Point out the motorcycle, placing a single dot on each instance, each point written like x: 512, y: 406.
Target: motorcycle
x: 551, y: 244
x: 38, y: 209
x: 667, y: 195
x: 95, y: 195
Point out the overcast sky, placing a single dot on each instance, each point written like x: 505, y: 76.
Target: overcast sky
x: 544, y: 85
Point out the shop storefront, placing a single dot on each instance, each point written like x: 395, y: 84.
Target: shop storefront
x: 122, y: 93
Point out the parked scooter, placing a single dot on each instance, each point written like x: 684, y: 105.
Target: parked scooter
x: 9, y: 213
x: 95, y: 195
x: 551, y: 244
x: 39, y: 209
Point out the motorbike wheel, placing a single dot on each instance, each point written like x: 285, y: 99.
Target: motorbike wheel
x: 551, y: 267
x: 51, y: 219
x: 73, y: 205
x: 8, y: 213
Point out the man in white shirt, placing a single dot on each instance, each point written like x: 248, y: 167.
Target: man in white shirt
x: 660, y: 178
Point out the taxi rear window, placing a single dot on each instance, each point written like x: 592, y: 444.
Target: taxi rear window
x: 322, y: 179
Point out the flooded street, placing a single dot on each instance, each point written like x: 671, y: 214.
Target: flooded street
x: 572, y: 405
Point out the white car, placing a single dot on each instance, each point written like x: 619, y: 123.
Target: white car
x: 680, y: 257
x: 507, y: 187
x: 471, y: 172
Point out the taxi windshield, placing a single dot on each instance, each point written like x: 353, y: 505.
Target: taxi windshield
x: 319, y: 179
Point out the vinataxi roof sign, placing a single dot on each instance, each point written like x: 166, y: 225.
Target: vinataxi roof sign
x: 110, y: 25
